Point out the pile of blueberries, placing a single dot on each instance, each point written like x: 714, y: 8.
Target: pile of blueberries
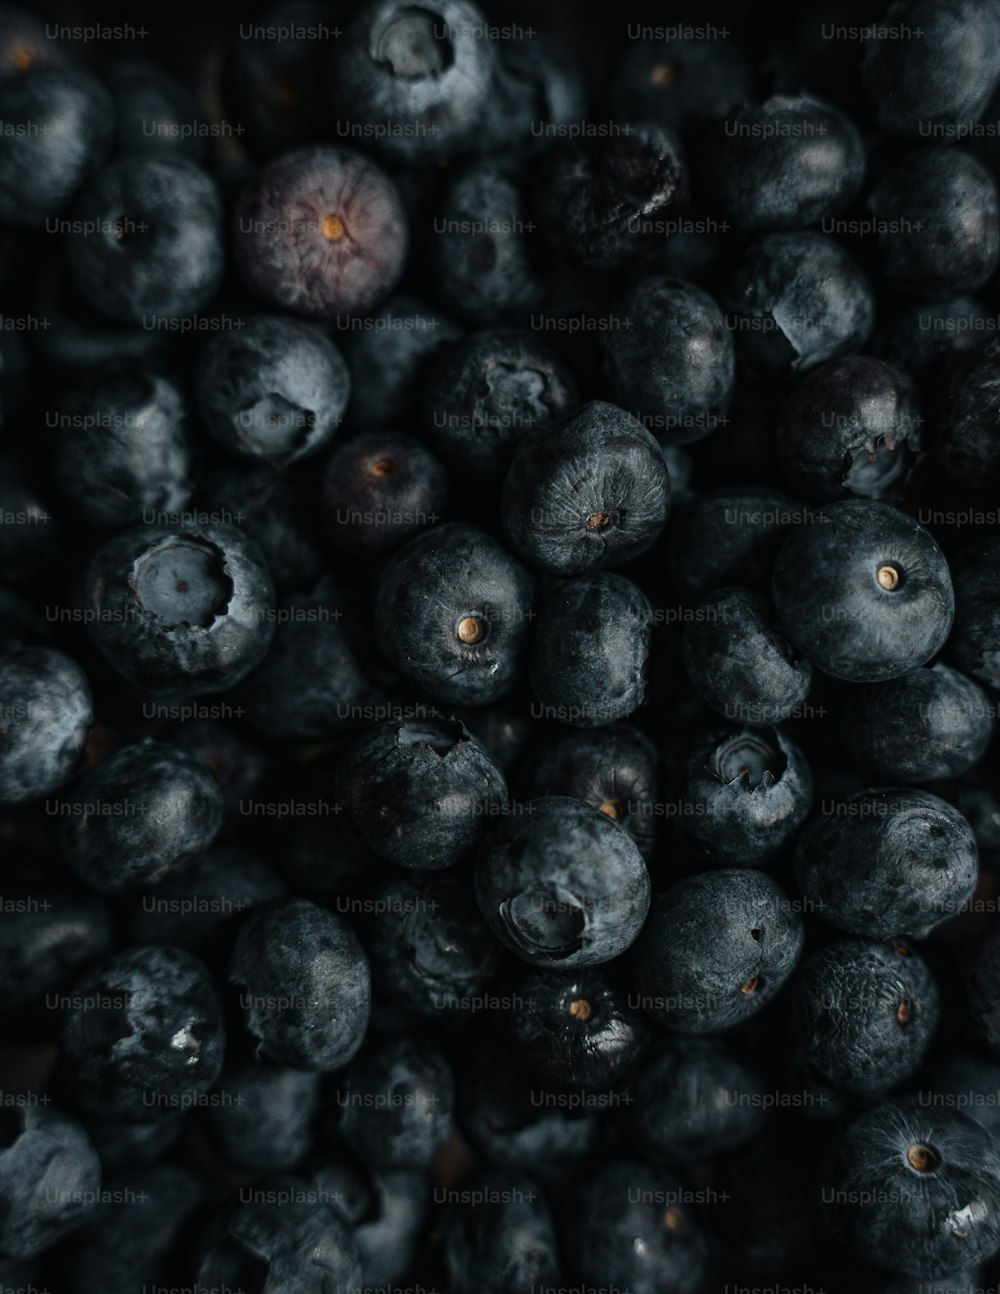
x: 500, y: 650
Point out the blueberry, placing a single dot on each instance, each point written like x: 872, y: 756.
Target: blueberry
x: 933, y: 723
x: 717, y: 947
x: 155, y: 115
x: 144, y: 1036
x: 485, y: 393
x: 862, y: 1014
x: 938, y: 223
x: 922, y: 338
x: 147, y: 240
x: 396, y: 1104
x: 414, y: 80
x: 852, y: 427
x: 672, y: 361
x: 30, y: 539
x: 305, y: 985
x: 863, y: 591
x: 142, y: 814
x: 983, y: 992
x: 498, y: 1234
x: 614, y: 768
x: 587, y: 493
x: 603, y: 202
x: 260, y: 1115
x: 561, y: 884
x: 452, y: 611
x: 795, y: 301
x: 25, y: 43
x: 123, y: 450
x: 46, y: 711
x: 572, y: 1031
x: 683, y: 83
x: 49, y: 1177
x: 178, y: 610
x: 59, y: 126
x: 970, y: 1082
x: 591, y: 651
x: 626, y: 1222
x: 963, y: 435
x: 747, y: 792
x: 786, y: 163
x: 915, y: 1190
x: 235, y: 761
x: 46, y: 941
x: 740, y: 662
x: 888, y: 862
x: 974, y: 645
x: 127, y: 1145
x: 275, y: 390
x: 539, y: 89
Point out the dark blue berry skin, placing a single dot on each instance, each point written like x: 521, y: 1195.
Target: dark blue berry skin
x: 284, y: 1238
x: 717, y: 948
x: 154, y: 114
x: 59, y: 125
x: 236, y: 762
x: 740, y: 662
x: 150, y: 243
x: 974, y: 645
x: 862, y: 1014
x: 922, y: 338
x: 591, y: 651
x: 45, y: 941
x: 796, y: 300
x: 421, y: 793
x: 684, y: 84
x: 129, y: 1145
x: 396, y: 1102
x: 969, y: 1082
x: 414, y: 82
x: 586, y: 494
x: 572, y: 1031
x: 305, y: 986
x: 615, y: 768
x: 625, y: 1225
x: 46, y: 711
x: 261, y: 1115
x: 430, y: 947
x: 691, y: 1099
x: 914, y: 1189
x: 561, y: 884
x: 274, y: 390
x: 783, y: 164
x: 498, y: 1234
x: 852, y: 427
x: 863, y: 591
x: 539, y: 87
x: 145, y: 1037
x: 48, y: 1176
x: 204, y: 637
x: 965, y: 424
x: 944, y: 77
x: 673, y: 363
x: 490, y: 389
x: 888, y: 862
x: 142, y: 814
x: 747, y: 792
x: 943, y: 234
x: 983, y: 1004
x: 933, y: 723
x: 381, y: 489
x: 320, y: 232
x: 123, y: 451
x: 603, y: 202
x: 452, y: 612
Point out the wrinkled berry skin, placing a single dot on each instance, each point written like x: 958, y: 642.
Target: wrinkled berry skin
x: 420, y: 793
x: 46, y: 711
x: 265, y: 1124
x: 852, y: 427
x: 561, y: 884
x: 783, y: 164
x: 452, y: 580
x: 893, y: 862
x: 42, y: 945
x: 48, y: 1169
x: 305, y: 985
x: 320, y: 232
x: 591, y: 651
x: 602, y: 203
x: 863, y: 591
x: 146, y: 1036
x: 862, y: 1015
x: 207, y: 640
x: 586, y: 494
x: 385, y: 1130
x: 673, y: 364
x: 717, y: 947
x: 965, y: 422
x: 974, y: 645
x: 930, y: 724
x: 498, y: 1234
x: 924, y: 1223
